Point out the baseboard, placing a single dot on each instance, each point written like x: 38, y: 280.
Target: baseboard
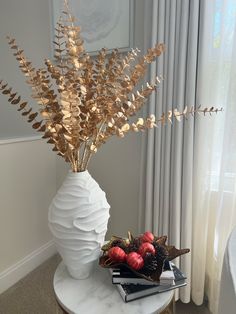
x: 19, y: 270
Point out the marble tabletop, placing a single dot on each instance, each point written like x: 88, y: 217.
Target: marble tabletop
x: 97, y: 295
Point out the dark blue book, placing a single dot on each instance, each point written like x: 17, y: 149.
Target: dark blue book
x: 125, y: 276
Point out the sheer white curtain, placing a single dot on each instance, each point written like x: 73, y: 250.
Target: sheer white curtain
x: 189, y: 169
x: 214, y: 185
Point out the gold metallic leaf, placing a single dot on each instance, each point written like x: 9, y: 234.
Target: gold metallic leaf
x: 185, y: 110
x: 50, y: 141
x: 3, y: 86
x: 140, y: 122
x: 33, y: 116
x: 12, y: 41
x: 67, y: 137
x: 71, y: 147
x: 134, y: 127
x: 169, y: 116
x: 93, y: 148
x: 22, y: 106
x: 42, y: 129
x: 83, y: 89
x: 44, y: 114
x: 177, y: 115
x: 36, y: 125
x: 65, y: 103
x: 125, y: 127
x: 7, y: 91
x: 119, y: 133
x: 25, y: 113
x: 12, y: 96
x: 46, y: 135
x: 16, y: 101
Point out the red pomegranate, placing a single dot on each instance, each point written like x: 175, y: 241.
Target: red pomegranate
x: 135, y: 260
x: 147, y: 237
x: 145, y: 248
x: 116, y: 254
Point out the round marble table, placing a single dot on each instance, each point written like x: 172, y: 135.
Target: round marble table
x: 97, y: 295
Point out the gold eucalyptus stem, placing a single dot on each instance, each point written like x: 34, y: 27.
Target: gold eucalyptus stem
x: 29, y: 72
x: 84, y: 154
x: 70, y: 158
x: 99, y: 131
x: 75, y: 156
x: 88, y: 159
x: 68, y: 12
x: 62, y: 62
x: 84, y: 165
x: 95, y: 141
x: 37, y: 89
x: 73, y: 160
x: 60, y: 46
x: 79, y: 158
x: 75, y: 167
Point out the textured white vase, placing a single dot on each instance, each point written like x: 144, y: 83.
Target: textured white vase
x: 78, y: 217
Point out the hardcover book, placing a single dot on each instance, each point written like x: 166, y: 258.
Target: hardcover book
x: 125, y: 276
x: 131, y: 292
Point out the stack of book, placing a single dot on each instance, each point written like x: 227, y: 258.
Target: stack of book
x: 132, y: 287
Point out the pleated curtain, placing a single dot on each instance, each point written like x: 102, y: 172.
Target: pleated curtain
x: 167, y: 160
x: 188, y: 173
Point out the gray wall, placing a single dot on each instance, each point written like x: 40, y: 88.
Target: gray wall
x: 29, y: 22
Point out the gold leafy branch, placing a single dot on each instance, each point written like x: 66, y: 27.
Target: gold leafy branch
x: 188, y: 111
x: 25, y: 110
x: 151, y: 122
x: 84, y: 101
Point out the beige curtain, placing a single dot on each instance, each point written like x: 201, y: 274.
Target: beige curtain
x: 189, y: 169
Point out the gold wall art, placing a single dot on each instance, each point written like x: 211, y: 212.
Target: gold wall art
x: 84, y: 101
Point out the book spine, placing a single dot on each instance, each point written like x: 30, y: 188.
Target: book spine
x: 122, y: 292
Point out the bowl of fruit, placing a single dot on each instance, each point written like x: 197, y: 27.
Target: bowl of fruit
x: 144, y: 255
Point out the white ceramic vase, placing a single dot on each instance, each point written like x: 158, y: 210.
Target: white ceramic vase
x: 78, y: 217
